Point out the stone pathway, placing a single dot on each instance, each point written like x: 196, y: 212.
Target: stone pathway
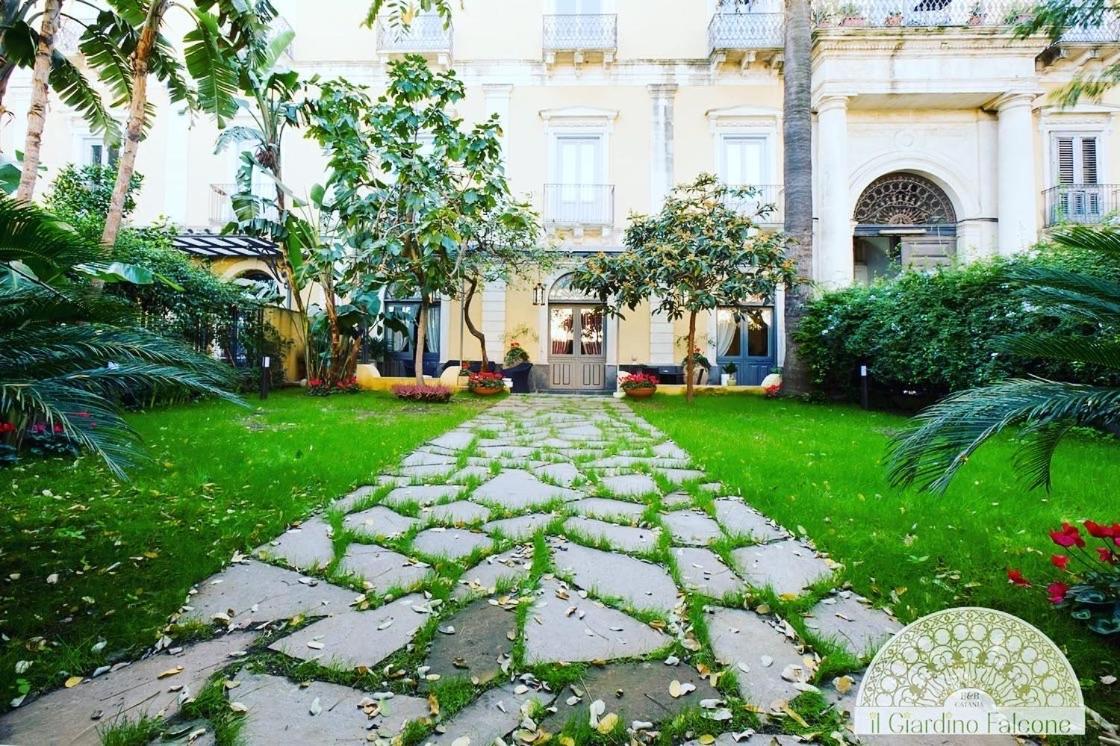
x: 555, y: 565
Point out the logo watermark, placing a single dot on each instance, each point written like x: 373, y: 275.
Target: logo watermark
x: 969, y: 671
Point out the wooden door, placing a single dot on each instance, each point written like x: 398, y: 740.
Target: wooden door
x: 577, y: 348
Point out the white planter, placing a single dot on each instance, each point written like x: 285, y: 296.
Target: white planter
x: 725, y: 379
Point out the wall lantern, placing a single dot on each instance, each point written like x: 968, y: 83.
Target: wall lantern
x: 538, y: 294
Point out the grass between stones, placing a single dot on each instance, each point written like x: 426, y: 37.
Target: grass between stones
x: 817, y: 470
x: 220, y: 478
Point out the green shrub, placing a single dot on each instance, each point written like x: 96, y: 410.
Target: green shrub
x: 927, y: 334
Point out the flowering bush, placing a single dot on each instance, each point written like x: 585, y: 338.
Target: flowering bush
x: 485, y: 380
x: 516, y: 355
x: 319, y: 387
x: 639, y: 381
x: 1090, y: 587
x: 431, y: 394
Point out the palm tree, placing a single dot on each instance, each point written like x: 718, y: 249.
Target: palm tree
x: 37, y: 111
x: 797, y: 134
x: 69, y: 354
x: 128, y: 47
x: 948, y: 433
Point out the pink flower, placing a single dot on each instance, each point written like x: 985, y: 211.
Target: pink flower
x: 1057, y: 592
x: 1107, y: 555
x: 1067, y: 536
x: 1060, y: 561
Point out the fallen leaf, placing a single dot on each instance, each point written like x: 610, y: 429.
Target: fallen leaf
x: 607, y: 723
x: 315, y: 708
x: 73, y: 681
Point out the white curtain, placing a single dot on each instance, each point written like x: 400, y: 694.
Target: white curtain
x: 431, y: 333
x: 726, y: 329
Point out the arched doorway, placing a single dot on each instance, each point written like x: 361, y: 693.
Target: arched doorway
x: 577, y: 344
x: 902, y: 220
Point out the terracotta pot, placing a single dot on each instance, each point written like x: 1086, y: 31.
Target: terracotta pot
x: 486, y: 391
x: 642, y: 393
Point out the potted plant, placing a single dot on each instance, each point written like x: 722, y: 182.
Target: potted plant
x: 772, y: 384
x: 702, y: 366
x: 851, y: 15
x: 515, y: 355
x: 976, y: 15
x: 639, y: 385
x: 823, y: 16
x: 894, y: 18
x: 728, y: 377
x: 516, y: 369
x: 1017, y: 14
x: 485, y: 383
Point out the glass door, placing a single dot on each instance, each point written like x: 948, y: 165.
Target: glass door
x: 577, y: 346
x: 745, y: 338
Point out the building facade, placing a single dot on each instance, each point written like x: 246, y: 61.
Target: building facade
x: 936, y: 140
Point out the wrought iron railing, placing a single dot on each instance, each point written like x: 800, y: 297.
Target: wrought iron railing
x: 745, y: 31
x: 426, y: 33
x: 221, y: 204
x: 764, y: 205
x: 1081, y: 203
x: 580, y: 32
x: 579, y: 204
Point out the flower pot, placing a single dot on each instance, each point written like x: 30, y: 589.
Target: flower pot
x: 894, y: 20
x: 732, y: 380
x: 640, y: 393
x: 486, y: 391
x: 853, y: 21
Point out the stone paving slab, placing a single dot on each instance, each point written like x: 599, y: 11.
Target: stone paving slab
x: 758, y: 739
x: 630, y: 485
x: 692, y: 527
x: 426, y: 458
x: 676, y: 500
x: 856, y: 626
x: 473, y: 643
x: 427, y: 471
x: 591, y: 632
x: 304, y: 547
x: 280, y: 712
x: 626, y: 538
x: 511, y: 565
x: 564, y: 474
x: 495, y: 714
x: 633, y: 691
x: 422, y: 494
x: 679, y: 476
x: 381, y: 568
x: 349, y: 502
x: 702, y: 570
x: 745, y: 640
x: 76, y: 715
x: 455, y: 440
x: 785, y: 566
x: 459, y: 512
x: 643, y: 585
x: 470, y: 473
x: 358, y: 638
x: 671, y: 450
x: 520, y: 527
x: 602, y: 507
x: 379, y: 523
x: 516, y: 489
x: 451, y: 543
x: 256, y: 592
x: 739, y: 519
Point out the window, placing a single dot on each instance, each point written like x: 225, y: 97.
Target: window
x: 96, y: 152
x: 1076, y: 159
x: 744, y: 333
x: 578, y: 195
x: 743, y: 160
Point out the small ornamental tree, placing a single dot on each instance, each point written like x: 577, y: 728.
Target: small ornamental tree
x: 700, y: 253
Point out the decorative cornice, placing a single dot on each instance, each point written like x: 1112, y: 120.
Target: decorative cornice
x: 579, y: 112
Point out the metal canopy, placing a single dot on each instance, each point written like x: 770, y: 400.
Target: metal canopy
x: 216, y: 246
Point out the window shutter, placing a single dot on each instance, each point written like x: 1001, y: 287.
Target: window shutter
x: 1089, y: 160
x: 1065, y: 160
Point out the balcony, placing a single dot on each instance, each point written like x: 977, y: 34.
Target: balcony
x: 580, y: 34
x: 1086, y: 204
x: 738, y: 32
x: 221, y: 204
x: 579, y: 206
x: 426, y: 35
x: 765, y: 206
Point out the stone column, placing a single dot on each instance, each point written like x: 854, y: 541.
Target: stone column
x: 834, y: 255
x: 1016, y: 201
x: 660, y: 182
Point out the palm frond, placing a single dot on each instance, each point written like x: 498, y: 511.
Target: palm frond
x: 949, y: 432
x: 1100, y: 239
x: 1066, y: 348
x: 106, y: 44
x: 209, y: 59
x: 239, y: 133
x: 30, y: 235
x: 165, y: 64
x: 77, y: 92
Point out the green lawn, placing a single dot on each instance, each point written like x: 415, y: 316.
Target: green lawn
x: 85, y: 559
x: 818, y: 469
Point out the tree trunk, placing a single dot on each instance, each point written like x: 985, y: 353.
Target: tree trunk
x: 797, y: 132
x: 474, y: 330
x: 690, y: 360
x: 137, y: 117
x: 37, y: 111
x: 421, y: 334
x: 6, y: 70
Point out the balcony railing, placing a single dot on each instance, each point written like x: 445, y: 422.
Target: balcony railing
x: 741, y: 31
x: 426, y: 33
x: 577, y: 32
x: 764, y: 206
x: 1081, y: 203
x: 583, y: 205
x: 221, y: 204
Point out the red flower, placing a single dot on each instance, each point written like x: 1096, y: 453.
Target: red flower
x: 1107, y: 555
x: 1067, y: 536
x: 1101, y: 532
x: 1060, y: 561
x: 58, y: 428
x: 1057, y: 592
x: 7, y: 427
x: 1016, y: 577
